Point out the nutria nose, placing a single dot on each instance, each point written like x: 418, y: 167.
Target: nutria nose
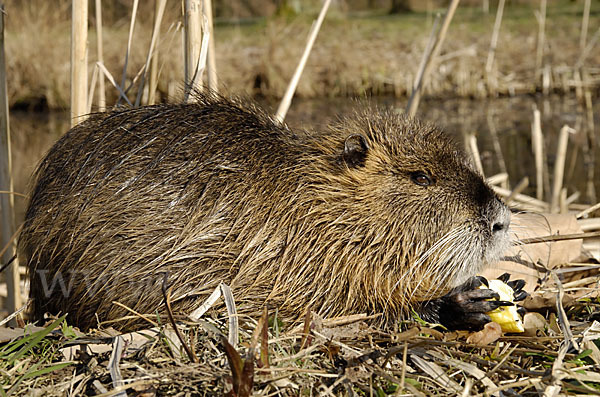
x: 498, y: 227
x: 501, y: 219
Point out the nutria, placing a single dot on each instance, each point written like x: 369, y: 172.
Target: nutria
x: 379, y: 214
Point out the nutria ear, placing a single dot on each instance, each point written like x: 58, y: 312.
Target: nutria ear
x: 355, y: 150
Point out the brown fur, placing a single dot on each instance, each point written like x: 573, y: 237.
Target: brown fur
x: 217, y: 192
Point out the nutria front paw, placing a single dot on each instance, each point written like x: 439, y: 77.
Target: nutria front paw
x: 465, y: 306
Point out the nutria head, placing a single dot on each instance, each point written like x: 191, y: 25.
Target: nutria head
x: 375, y: 215
x: 402, y: 213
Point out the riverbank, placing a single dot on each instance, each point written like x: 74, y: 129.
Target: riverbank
x: 370, y: 53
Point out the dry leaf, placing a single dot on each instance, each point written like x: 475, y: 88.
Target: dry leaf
x: 533, y: 322
x: 530, y: 262
x: 490, y: 333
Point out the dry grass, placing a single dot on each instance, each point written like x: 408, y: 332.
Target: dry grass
x: 338, y: 358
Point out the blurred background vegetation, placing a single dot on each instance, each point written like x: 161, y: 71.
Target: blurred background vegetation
x: 366, y: 47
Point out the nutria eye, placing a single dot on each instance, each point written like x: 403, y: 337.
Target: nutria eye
x: 421, y: 178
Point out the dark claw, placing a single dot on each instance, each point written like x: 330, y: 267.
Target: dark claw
x: 516, y: 285
x: 501, y: 303
x: 504, y: 278
x: 521, y: 310
x: 521, y: 295
x: 483, y: 281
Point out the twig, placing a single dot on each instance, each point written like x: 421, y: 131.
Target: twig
x: 588, y: 211
x: 553, y: 238
x: 113, y: 365
x: 167, y: 296
x: 138, y: 315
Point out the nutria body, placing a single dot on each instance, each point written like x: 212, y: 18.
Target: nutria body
x: 377, y: 215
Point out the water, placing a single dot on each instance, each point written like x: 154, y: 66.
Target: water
x: 511, y: 118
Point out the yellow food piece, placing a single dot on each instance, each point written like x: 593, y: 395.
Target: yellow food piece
x: 506, y: 316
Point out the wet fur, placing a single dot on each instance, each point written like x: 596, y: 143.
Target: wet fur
x: 218, y: 192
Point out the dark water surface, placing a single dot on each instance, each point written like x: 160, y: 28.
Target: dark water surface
x: 510, y: 118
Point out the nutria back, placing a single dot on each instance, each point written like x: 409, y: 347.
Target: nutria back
x: 373, y: 215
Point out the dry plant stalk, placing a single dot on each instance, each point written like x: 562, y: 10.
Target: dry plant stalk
x: 151, y: 52
x: 426, y: 54
x: 518, y: 189
x: 212, y: 61
x: 541, y: 36
x: 584, y: 24
x: 193, y: 45
x: 79, y: 32
x: 413, y: 102
x: 6, y: 184
x: 537, y: 140
x: 474, y: 149
x: 101, y: 88
x: 559, y: 168
x: 289, y: 93
x: 492, y: 52
x: 153, y: 81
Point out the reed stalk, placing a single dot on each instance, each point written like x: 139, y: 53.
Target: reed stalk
x: 572, y: 198
x: 79, y: 32
x: 113, y: 82
x: 90, y: 97
x: 584, y: 24
x: 497, y: 146
x: 426, y: 54
x: 6, y: 184
x: 522, y: 185
x: 533, y: 203
x: 151, y: 53
x: 498, y: 179
x: 539, y: 56
x: 415, y: 98
x: 588, y: 49
x: 559, y: 167
x: 154, y: 66
x: 537, y: 141
x: 122, y: 94
x: 100, y: 51
x: 474, y: 149
x: 588, y: 211
x: 193, y: 46
x: 289, y: 92
x: 212, y: 61
x: 495, y: 33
